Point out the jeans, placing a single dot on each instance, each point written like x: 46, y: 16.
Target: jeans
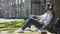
x: 32, y: 21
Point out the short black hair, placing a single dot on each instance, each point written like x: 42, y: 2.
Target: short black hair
x: 48, y: 5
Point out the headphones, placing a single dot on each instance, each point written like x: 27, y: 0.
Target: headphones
x: 50, y: 7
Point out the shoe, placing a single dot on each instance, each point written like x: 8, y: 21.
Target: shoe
x: 33, y: 28
x: 28, y: 29
x: 20, y: 30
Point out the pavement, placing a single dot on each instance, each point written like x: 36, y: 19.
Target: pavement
x: 9, y: 20
x: 25, y: 32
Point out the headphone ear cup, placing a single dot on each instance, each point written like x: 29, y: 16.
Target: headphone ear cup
x: 50, y: 7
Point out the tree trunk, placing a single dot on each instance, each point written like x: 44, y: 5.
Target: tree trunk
x: 56, y: 9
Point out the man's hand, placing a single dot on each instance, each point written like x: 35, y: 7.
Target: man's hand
x: 41, y: 22
x: 35, y: 16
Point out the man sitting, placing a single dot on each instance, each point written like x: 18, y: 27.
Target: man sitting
x: 39, y: 21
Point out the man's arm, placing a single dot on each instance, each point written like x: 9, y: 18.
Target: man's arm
x: 41, y: 22
x: 46, y: 20
x: 37, y: 18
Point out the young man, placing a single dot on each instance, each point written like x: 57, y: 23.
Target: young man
x: 39, y: 21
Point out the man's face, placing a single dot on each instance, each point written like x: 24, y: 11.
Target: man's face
x: 46, y: 7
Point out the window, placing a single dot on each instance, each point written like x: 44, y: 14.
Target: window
x: 3, y: 5
x: 23, y: 0
x: 16, y: 1
x: 48, y: 0
x: 2, y: 0
x: 10, y: 4
x: 19, y: 1
x: 22, y: 8
x: 0, y: 7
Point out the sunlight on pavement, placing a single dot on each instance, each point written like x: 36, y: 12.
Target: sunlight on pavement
x: 25, y: 32
x: 29, y: 32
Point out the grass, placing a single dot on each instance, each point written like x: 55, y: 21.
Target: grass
x: 11, y: 25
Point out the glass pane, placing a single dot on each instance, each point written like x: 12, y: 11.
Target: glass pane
x: 19, y: 1
x: 21, y: 8
x: 2, y: 0
x: 37, y: 7
x: 23, y: 0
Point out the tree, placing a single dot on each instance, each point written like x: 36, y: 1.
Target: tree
x: 56, y: 9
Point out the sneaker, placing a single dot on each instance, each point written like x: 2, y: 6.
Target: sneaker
x: 28, y: 29
x: 20, y: 30
x: 33, y: 28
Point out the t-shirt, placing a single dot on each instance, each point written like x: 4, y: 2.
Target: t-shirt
x: 46, y: 17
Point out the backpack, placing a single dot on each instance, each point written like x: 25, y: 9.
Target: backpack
x: 57, y: 22
x: 56, y: 27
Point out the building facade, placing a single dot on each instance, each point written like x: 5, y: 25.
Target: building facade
x: 21, y: 8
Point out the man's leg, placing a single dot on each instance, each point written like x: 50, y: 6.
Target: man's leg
x: 36, y: 24
x: 32, y: 21
x: 27, y: 24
